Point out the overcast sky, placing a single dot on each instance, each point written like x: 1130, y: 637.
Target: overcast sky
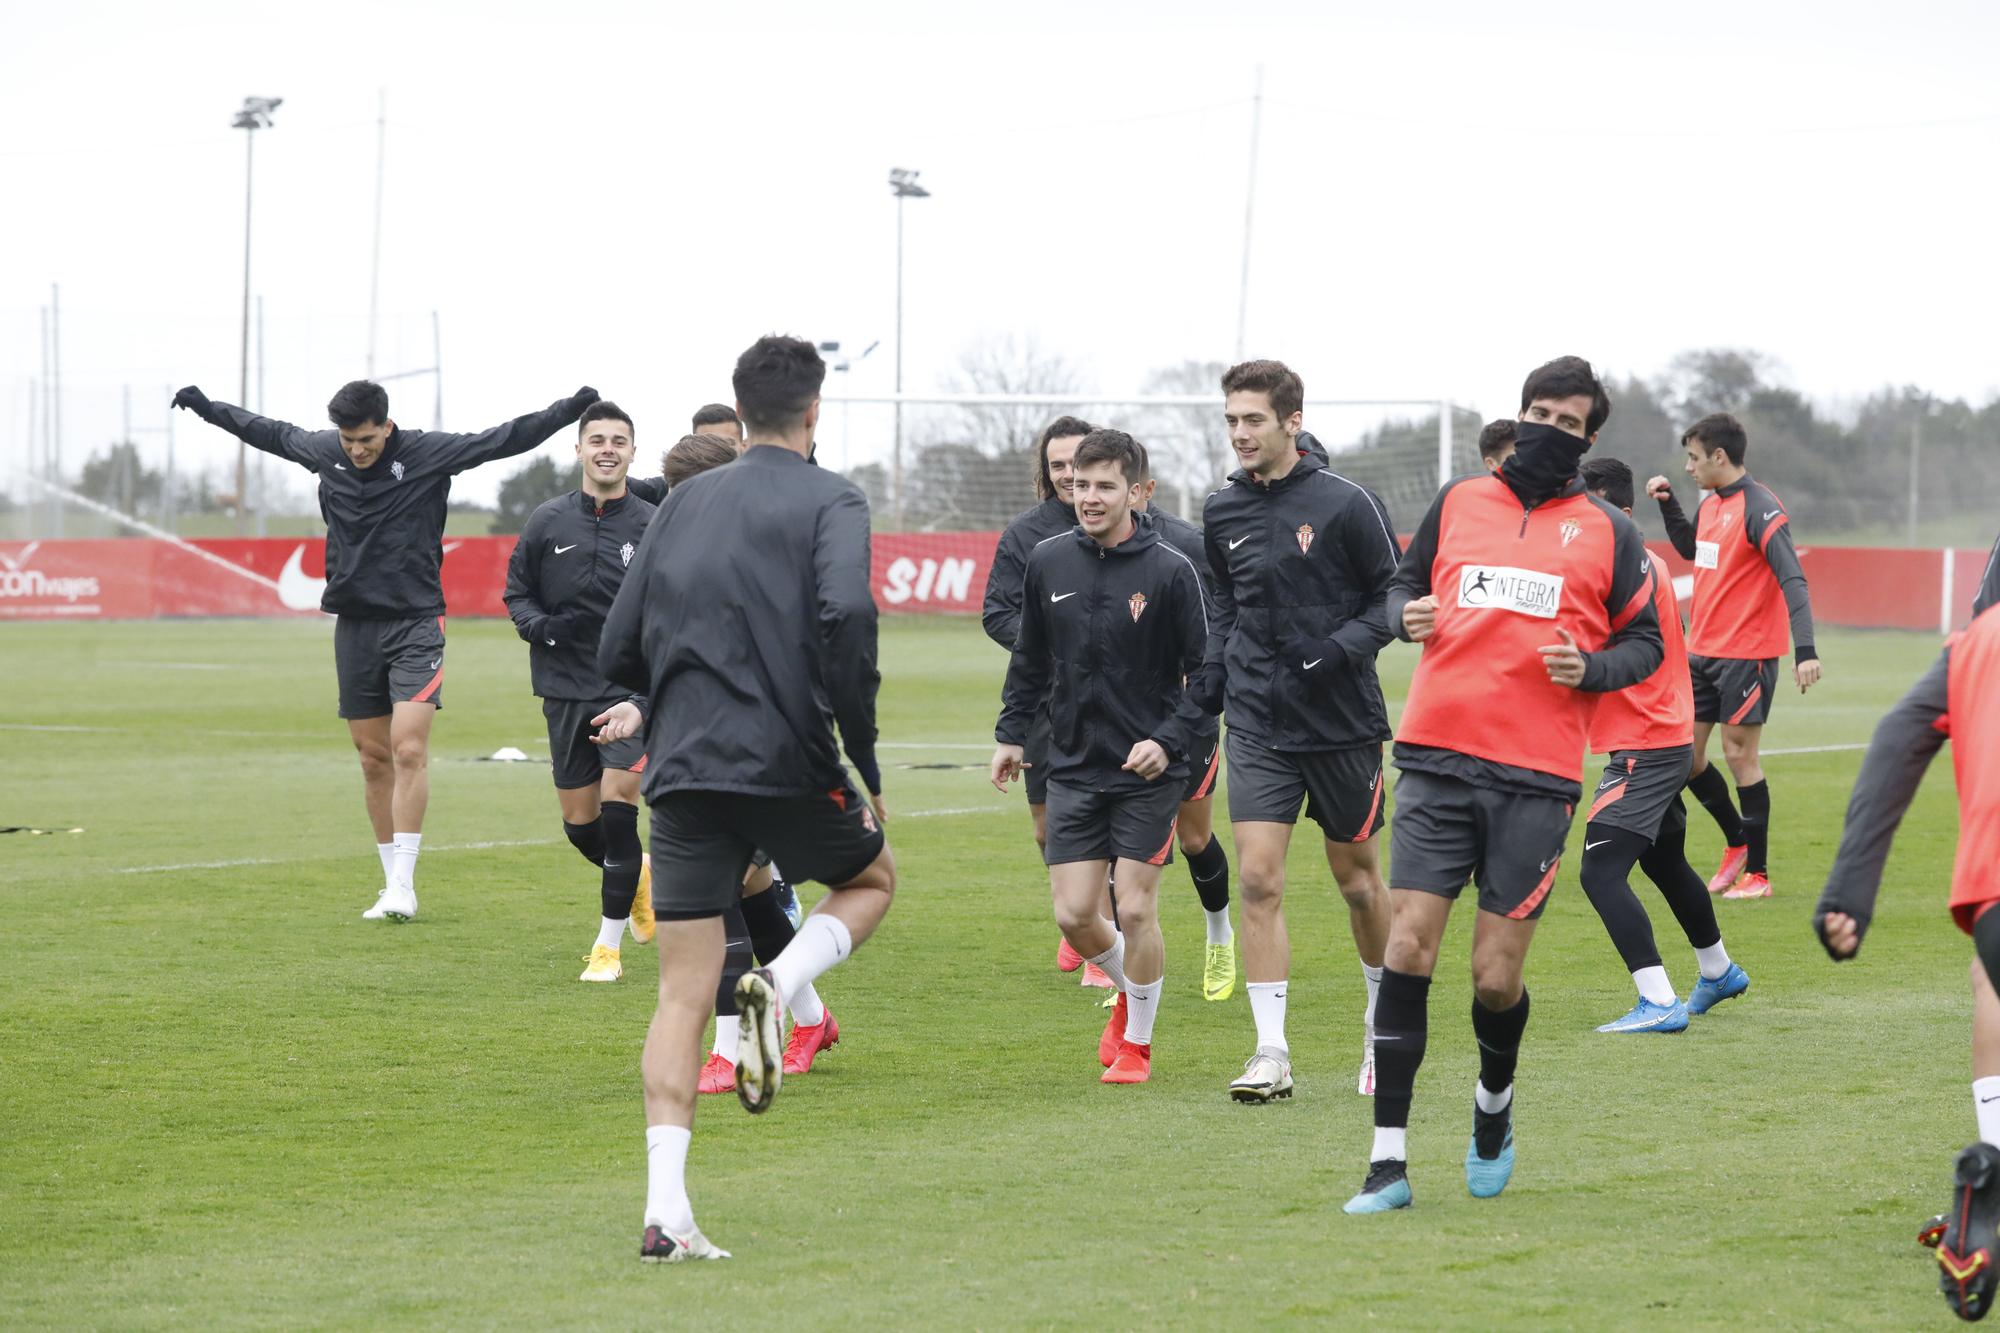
x: 627, y: 195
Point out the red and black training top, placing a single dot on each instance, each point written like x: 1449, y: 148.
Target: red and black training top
x: 1747, y: 579
x: 1658, y: 712
x: 1957, y: 699
x: 1507, y: 576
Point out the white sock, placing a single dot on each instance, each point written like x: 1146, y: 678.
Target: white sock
x: 609, y: 932
x: 1112, y: 961
x: 821, y: 942
x: 726, y: 1028
x: 805, y: 1007
x: 1374, y: 978
x: 1389, y: 1144
x: 1713, y: 961
x: 1986, y: 1103
x: 1653, y: 984
x: 1142, y: 1005
x: 1267, y: 1007
x: 1218, y: 926
x: 1490, y: 1102
x: 387, y: 851
x: 666, y: 1178
x: 404, y: 857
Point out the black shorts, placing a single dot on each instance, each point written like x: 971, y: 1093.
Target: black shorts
x: 1448, y: 831
x: 1341, y: 789
x: 1204, y: 763
x: 1035, y: 753
x: 1737, y: 691
x: 704, y: 841
x: 1638, y: 787
x: 578, y: 760
x: 1134, y: 824
x: 382, y: 663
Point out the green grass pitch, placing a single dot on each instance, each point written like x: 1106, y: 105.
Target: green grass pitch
x: 226, y: 1101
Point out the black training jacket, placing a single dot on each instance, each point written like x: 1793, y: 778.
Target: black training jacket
x: 748, y: 621
x: 1304, y: 561
x: 385, y: 523
x: 1989, y: 583
x: 565, y: 569
x: 1108, y: 635
x: 653, y: 490
x: 1001, y: 615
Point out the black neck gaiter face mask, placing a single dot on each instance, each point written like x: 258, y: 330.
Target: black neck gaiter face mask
x: 1544, y: 461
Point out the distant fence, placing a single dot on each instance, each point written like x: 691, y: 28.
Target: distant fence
x: 140, y: 578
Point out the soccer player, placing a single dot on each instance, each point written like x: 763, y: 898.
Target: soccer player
x: 748, y: 621
x: 1496, y: 443
x: 1302, y: 559
x: 1636, y: 817
x: 719, y: 419
x: 1112, y: 623
x: 1959, y: 698
x: 1208, y: 864
x: 1001, y: 614
x: 1747, y: 587
x: 561, y: 577
x: 1531, y: 600
x: 382, y: 494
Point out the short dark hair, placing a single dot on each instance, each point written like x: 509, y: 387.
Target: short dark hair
x: 1115, y: 447
x: 776, y: 380
x: 1569, y: 377
x: 1062, y: 428
x: 716, y: 414
x: 359, y: 403
x: 1145, y: 462
x: 603, y: 410
x: 695, y: 454
x: 1719, y: 430
x: 1274, y: 379
x: 1609, y: 478
x: 1496, y: 436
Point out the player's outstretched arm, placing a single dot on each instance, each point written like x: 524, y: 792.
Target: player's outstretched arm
x: 1408, y: 607
x: 1679, y: 531
x: 1906, y: 739
x: 1635, y: 647
x: 848, y: 629
x: 265, y: 434
x: 456, y: 453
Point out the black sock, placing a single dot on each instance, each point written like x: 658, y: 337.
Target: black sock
x: 1499, y: 1034
x: 1666, y: 864
x: 1712, y: 790
x: 587, y: 838
x: 1209, y: 868
x: 770, y: 929
x: 1402, y: 1025
x: 736, y: 961
x: 622, y: 855
x: 1756, y: 800
x: 1608, y: 857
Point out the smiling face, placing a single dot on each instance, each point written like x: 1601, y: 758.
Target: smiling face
x: 1266, y: 445
x: 1062, y: 470
x: 605, y: 449
x: 1569, y: 415
x: 364, y: 444
x: 1104, y: 501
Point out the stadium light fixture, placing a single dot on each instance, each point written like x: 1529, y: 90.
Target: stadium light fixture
x: 255, y: 115
x: 903, y: 183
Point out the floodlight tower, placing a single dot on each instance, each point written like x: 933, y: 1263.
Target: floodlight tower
x: 255, y: 115
x: 903, y: 183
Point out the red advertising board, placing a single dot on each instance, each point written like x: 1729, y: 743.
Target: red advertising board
x: 924, y: 572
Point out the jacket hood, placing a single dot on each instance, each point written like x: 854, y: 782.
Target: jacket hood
x: 1145, y: 532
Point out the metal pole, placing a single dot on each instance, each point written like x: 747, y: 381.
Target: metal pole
x: 896, y: 456
x: 1444, y: 444
x: 243, y: 382
x: 375, y: 264
x: 125, y: 499
x: 437, y: 374
x: 1916, y: 453
x: 55, y: 404
x: 1249, y: 210
x: 169, y: 499
x: 260, y: 412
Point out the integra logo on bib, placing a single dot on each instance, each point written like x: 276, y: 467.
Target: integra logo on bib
x: 1527, y: 592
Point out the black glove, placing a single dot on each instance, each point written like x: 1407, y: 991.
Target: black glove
x: 585, y: 396
x: 1314, y: 661
x: 193, y: 399
x: 557, y: 630
x: 1205, y: 687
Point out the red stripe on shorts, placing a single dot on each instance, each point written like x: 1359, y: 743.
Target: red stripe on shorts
x: 1534, y: 900
x: 1750, y: 702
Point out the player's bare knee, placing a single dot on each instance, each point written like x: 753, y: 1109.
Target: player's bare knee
x: 411, y: 753
x: 1262, y: 885
x: 1362, y: 888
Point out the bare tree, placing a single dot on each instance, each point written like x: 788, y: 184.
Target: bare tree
x: 1010, y: 364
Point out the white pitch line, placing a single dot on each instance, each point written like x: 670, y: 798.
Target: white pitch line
x: 956, y: 810
x: 171, y: 666
x: 1819, y: 749
x: 286, y: 860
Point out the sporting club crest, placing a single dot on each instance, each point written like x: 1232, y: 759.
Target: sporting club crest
x: 1137, y: 601
x: 1305, y: 535
x: 1571, y: 530
x: 625, y: 553
x: 396, y: 469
